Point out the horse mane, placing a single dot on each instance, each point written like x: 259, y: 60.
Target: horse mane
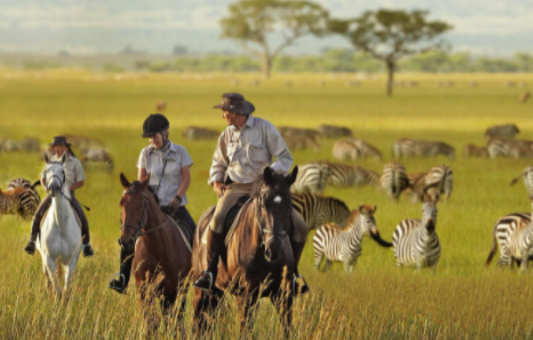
x: 136, y: 187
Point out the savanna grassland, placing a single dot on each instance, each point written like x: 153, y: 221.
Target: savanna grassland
x: 463, y: 300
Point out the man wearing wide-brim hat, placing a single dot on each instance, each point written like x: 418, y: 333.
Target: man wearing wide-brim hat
x: 74, y: 179
x: 244, y: 149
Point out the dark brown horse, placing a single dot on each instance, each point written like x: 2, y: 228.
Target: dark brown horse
x: 161, y: 254
x: 258, y: 261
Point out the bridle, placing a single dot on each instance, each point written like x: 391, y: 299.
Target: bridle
x: 141, y: 229
x: 259, y: 207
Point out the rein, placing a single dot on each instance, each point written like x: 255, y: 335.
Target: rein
x: 62, y: 193
x: 260, y: 221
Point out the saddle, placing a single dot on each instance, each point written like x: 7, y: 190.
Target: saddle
x: 232, y: 218
x: 78, y: 220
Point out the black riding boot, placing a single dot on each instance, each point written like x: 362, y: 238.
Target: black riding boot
x: 302, y: 288
x: 126, y: 261
x: 207, y: 278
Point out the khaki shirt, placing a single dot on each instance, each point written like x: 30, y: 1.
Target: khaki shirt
x: 74, y: 172
x: 153, y: 161
x: 243, y: 154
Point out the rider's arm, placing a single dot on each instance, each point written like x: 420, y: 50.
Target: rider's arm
x: 220, y: 162
x: 76, y: 185
x: 277, y: 148
x: 186, y: 180
x: 79, y: 176
x: 142, y: 174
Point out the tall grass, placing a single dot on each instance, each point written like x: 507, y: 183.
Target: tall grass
x: 463, y: 300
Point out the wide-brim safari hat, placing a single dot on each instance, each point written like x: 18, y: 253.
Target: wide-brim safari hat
x: 235, y: 102
x: 58, y: 140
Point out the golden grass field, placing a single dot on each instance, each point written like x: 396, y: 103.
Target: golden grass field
x: 463, y: 300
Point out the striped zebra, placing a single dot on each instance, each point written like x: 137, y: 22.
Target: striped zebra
x: 98, y: 155
x: 394, y: 179
x: 421, y: 148
x: 527, y: 174
x: 471, y: 150
x: 517, y: 148
x: 503, y: 131
x: 31, y: 203
x: 195, y: 132
x: 312, y: 178
x: 353, y: 149
x: 27, y: 144
x: 441, y: 176
x: 332, y: 131
x: 341, y: 175
x: 318, y: 210
x: 415, y: 241
x: 296, y: 142
x: 509, y: 234
x: 18, y: 201
x: 338, y: 245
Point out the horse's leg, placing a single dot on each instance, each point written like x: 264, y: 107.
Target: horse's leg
x: 247, y: 302
x: 45, y: 271
x: 283, y: 304
x: 205, y: 305
x: 51, y: 268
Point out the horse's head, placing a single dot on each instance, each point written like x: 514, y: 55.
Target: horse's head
x: 275, y: 217
x: 54, y: 175
x: 134, y: 209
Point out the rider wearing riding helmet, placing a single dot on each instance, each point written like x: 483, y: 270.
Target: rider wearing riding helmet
x: 74, y: 179
x: 168, y: 166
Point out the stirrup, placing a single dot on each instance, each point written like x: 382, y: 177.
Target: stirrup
x: 304, y: 288
x: 201, y: 277
x: 121, y: 279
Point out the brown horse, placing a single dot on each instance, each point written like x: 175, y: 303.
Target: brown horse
x: 161, y: 254
x: 258, y: 260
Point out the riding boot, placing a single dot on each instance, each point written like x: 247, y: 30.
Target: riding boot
x: 36, y: 224
x: 303, y: 288
x: 207, y: 278
x: 126, y: 261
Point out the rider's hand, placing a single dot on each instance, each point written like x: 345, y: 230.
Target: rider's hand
x: 175, y: 203
x: 219, y: 188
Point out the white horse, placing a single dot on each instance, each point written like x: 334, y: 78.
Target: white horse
x: 60, y: 239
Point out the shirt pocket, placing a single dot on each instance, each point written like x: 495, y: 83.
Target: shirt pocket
x: 258, y: 156
x: 173, y: 167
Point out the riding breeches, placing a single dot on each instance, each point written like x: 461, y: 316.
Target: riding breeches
x: 230, y: 198
x: 45, y: 205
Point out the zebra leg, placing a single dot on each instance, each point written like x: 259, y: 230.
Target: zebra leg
x: 525, y: 262
x: 319, y: 256
x: 348, y: 266
x: 326, y: 265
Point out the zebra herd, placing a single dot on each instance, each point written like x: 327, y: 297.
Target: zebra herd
x: 21, y: 198
x: 501, y: 143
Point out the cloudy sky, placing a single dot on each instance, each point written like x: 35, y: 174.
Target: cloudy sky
x: 493, y: 27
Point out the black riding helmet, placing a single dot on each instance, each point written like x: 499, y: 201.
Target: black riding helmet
x: 155, y: 123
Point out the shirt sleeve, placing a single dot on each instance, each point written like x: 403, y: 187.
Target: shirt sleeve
x: 277, y: 148
x: 79, y: 172
x: 220, y: 161
x: 141, y: 162
x: 186, y: 159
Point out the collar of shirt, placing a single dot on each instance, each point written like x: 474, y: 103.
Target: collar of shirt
x: 173, y: 148
x: 54, y: 158
x: 249, y: 123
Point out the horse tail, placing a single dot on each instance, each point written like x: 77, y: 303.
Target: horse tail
x: 36, y: 184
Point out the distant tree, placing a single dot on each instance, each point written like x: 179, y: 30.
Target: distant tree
x: 524, y: 62
x: 389, y: 35
x: 179, y: 50
x: 250, y: 22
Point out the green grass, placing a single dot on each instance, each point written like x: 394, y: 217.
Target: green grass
x: 463, y: 299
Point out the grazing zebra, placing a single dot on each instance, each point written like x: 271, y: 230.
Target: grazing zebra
x: 517, y: 148
x: 98, y: 155
x: 471, y: 150
x: 415, y: 241
x: 339, y: 245
x: 286, y: 131
x: 509, y: 234
x: 332, y: 131
x: 18, y: 201
x: 527, y: 174
x: 32, y: 201
x: 352, y: 149
x: 318, y: 210
x: 195, y: 132
x: 295, y: 142
x: 394, y: 179
x: 27, y: 144
x: 440, y: 176
x: 341, y: 175
x: 502, y: 131
x: 421, y: 148
x: 311, y: 178
x: 84, y: 142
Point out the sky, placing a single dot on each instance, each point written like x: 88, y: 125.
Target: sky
x: 481, y: 27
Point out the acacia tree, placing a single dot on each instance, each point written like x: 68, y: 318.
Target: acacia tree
x: 251, y: 22
x: 389, y: 35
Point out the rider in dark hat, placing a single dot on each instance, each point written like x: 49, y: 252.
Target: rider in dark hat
x: 74, y: 179
x: 168, y: 166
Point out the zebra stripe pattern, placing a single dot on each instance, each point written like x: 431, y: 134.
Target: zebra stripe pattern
x: 341, y: 175
x: 18, y: 201
x: 421, y: 148
x: 471, y: 150
x: 415, y: 241
x: 31, y: 203
x: 442, y: 177
x: 338, y: 245
x: 352, y: 149
x: 507, y: 234
x: 504, y: 131
x: 394, y: 179
x: 517, y: 148
x: 311, y: 178
x: 318, y: 210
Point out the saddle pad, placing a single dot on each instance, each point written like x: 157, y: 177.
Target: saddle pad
x: 185, y: 230
x: 78, y: 220
x: 232, y: 220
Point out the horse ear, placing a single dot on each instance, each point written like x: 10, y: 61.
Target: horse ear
x: 125, y: 183
x: 268, y: 175
x: 46, y: 159
x: 292, y: 176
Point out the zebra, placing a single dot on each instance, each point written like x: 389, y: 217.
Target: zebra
x: 442, y: 177
x: 338, y: 245
x: 84, y: 142
x: 503, y: 131
x: 471, y: 150
x: 311, y: 178
x: 18, y: 201
x: 318, y: 210
x: 332, y: 131
x: 421, y: 148
x: 394, y: 179
x: 352, y: 149
x: 295, y: 142
x: 527, y: 174
x: 31, y: 203
x: 415, y: 241
x: 499, y: 147
x: 27, y: 144
x: 509, y: 233
x: 341, y: 175
x: 195, y: 132
x: 286, y: 131
x: 98, y: 155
